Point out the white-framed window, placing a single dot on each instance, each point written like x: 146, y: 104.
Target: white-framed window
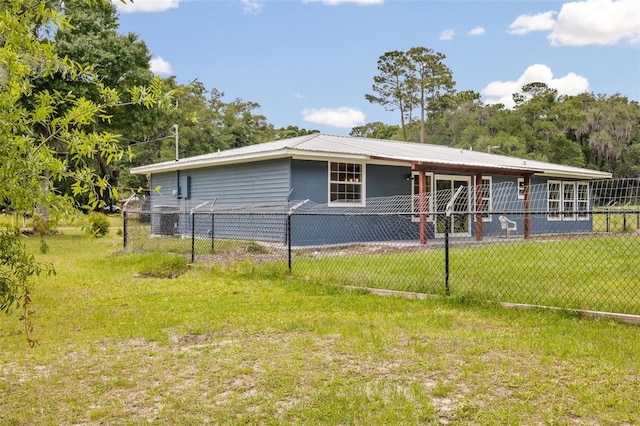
x: 486, y: 199
x: 521, y: 188
x: 346, y: 183
x: 554, y: 200
x: 583, y: 201
x: 417, y: 198
x: 568, y: 200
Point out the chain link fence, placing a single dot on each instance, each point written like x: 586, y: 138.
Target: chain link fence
x: 576, y: 246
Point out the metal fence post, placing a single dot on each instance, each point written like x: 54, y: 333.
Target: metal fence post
x: 124, y: 230
x: 447, y: 226
x: 213, y: 222
x: 289, y: 240
x: 193, y: 237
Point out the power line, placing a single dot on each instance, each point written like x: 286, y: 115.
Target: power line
x: 134, y: 142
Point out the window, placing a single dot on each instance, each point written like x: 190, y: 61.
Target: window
x: 521, y: 188
x: 553, y: 202
x: 346, y: 183
x: 486, y: 199
x: 583, y: 201
x: 568, y: 201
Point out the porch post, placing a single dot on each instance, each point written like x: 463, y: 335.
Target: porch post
x: 422, y: 205
x: 527, y: 206
x: 479, y: 195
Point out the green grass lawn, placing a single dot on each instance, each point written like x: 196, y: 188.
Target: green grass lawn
x: 598, y: 272
x: 231, y: 345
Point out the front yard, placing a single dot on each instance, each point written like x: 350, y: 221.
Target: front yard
x: 229, y: 344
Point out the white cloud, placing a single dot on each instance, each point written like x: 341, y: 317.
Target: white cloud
x: 599, y: 22
x: 298, y: 96
x: 334, y: 117
x: 526, y: 23
x: 477, y: 31
x: 160, y: 67
x: 339, y: 2
x: 447, y: 34
x: 502, y: 91
x: 251, y: 7
x: 146, y: 5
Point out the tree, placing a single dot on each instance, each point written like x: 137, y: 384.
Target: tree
x: 292, y: 132
x: 428, y: 80
x: 391, y: 86
x: 119, y: 61
x: 611, y: 128
x: 50, y: 138
x: 416, y: 78
x: 376, y: 130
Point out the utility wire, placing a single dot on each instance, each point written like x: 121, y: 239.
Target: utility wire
x: 134, y: 143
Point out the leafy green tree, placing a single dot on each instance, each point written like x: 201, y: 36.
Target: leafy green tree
x: 206, y: 123
x: 51, y: 138
x: 292, y: 132
x: 376, y: 130
x: 610, y: 129
x: 585, y: 130
x: 119, y: 61
x: 241, y: 127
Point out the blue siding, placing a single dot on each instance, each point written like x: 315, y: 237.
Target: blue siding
x: 310, y: 180
x: 247, y: 183
x: 326, y: 229
x: 167, y: 183
x: 385, y: 181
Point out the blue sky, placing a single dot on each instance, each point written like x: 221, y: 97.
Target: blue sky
x: 309, y: 63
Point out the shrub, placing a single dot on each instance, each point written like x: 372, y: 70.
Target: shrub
x: 98, y: 225
x: 44, y: 247
x: 162, y: 265
x: 256, y: 248
x: 40, y: 224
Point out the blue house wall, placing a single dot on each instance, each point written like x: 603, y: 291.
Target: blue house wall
x: 244, y: 183
x: 310, y: 180
x: 276, y: 181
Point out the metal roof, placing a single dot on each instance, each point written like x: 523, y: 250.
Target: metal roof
x: 368, y: 150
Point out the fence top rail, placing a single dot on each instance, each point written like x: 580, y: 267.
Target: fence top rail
x: 619, y: 195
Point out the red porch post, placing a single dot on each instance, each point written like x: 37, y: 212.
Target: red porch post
x: 527, y: 207
x: 479, y: 195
